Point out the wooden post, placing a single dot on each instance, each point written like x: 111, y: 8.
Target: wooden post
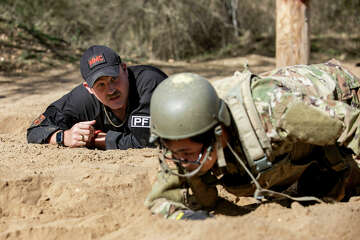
x: 292, y: 32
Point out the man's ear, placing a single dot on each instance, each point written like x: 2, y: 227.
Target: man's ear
x: 88, y: 88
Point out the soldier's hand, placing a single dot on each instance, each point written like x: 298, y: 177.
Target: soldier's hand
x: 81, y: 134
x: 193, y: 215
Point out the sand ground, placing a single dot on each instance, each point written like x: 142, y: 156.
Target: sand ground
x: 49, y: 192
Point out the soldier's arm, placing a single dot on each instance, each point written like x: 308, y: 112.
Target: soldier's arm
x: 205, y: 196
x: 169, y: 197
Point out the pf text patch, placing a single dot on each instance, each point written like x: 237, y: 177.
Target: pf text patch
x: 140, y: 121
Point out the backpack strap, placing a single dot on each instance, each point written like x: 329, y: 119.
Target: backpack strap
x: 254, y: 115
x: 256, y: 145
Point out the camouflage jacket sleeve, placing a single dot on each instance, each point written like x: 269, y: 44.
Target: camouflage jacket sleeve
x: 167, y: 196
x: 309, y: 104
x: 170, y: 195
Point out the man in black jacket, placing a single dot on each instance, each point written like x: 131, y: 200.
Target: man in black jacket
x: 109, y: 110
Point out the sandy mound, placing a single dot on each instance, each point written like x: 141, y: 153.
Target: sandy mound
x: 47, y: 192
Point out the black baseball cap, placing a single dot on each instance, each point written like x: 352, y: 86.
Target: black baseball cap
x: 98, y: 61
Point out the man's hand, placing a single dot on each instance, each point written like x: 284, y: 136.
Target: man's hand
x: 99, y: 141
x: 81, y: 134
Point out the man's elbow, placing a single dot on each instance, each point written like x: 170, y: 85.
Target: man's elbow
x: 33, y: 137
x: 39, y: 136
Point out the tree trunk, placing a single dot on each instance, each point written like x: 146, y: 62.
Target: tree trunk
x: 234, y: 7
x: 292, y: 32
x: 231, y: 7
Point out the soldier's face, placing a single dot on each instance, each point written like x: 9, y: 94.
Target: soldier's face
x: 113, y: 91
x: 186, y: 149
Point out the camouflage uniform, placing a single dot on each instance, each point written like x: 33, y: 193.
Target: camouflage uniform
x: 310, y: 115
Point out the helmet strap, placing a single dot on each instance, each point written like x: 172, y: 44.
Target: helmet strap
x: 219, y: 148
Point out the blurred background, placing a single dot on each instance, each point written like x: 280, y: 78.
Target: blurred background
x: 40, y: 34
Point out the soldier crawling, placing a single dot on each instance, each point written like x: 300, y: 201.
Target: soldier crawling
x: 294, y: 125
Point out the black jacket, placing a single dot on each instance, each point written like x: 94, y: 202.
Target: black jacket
x: 79, y: 105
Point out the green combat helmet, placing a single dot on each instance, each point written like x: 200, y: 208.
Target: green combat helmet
x: 186, y: 105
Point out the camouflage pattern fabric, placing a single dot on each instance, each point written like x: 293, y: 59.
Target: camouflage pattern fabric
x: 296, y: 102
x: 301, y: 108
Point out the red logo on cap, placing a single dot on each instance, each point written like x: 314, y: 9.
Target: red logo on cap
x: 96, y: 60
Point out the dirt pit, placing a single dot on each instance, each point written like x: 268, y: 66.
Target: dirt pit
x: 49, y: 192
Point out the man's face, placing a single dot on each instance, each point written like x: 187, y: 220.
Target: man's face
x: 186, y: 149
x: 112, y: 91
